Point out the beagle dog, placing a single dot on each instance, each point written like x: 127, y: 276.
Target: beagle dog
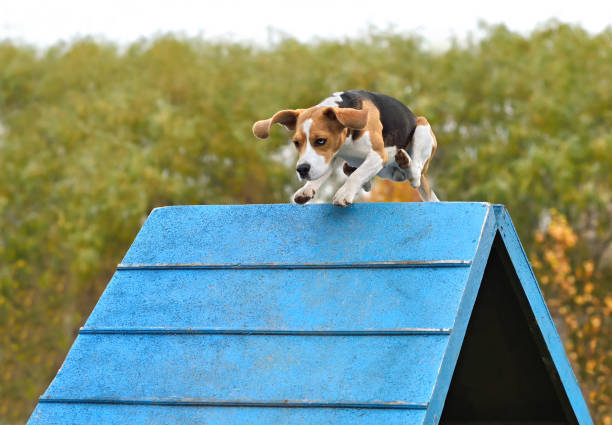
x: 374, y: 134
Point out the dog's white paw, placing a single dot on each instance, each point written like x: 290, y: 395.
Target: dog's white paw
x: 304, y: 195
x: 344, y: 196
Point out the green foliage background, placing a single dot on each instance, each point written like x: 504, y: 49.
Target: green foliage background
x: 93, y: 136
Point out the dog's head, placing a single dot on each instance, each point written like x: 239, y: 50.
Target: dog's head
x: 320, y: 132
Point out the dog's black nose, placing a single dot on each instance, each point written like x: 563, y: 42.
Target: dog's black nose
x: 303, y: 170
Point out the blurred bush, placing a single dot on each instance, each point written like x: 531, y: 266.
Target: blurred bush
x: 93, y: 136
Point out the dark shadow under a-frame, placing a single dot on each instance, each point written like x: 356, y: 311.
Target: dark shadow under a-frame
x: 504, y: 374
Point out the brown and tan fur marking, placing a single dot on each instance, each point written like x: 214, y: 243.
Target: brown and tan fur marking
x: 287, y: 118
x: 331, y: 124
x: 402, y: 159
x: 374, y: 127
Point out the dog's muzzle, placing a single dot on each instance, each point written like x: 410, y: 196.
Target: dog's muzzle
x: 303, y: 170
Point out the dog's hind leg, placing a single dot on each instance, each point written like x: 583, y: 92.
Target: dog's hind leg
x: 421, y: 150
x: 425, y: 191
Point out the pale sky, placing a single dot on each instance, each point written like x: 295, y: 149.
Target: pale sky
x: 44, y: 22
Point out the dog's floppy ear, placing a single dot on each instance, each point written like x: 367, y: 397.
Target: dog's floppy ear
x: 352, y: 118
x: 286, y: 118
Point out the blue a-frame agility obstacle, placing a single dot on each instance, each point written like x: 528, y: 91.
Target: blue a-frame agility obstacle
x: 419, y: 313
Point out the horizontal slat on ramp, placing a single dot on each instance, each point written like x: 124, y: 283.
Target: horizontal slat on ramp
x: 234, y: 368
x: 313, y: 234
x: 196, y: 331
x: 266, y: 266
x: 300, y: 300
x: 239, y: 403
x: 86, y: 414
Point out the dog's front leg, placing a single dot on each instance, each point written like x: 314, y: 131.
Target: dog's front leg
x: 372, y: 164
x: 309, y: 190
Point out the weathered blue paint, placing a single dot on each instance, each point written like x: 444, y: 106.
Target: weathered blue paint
x: 267, y: 314
x: 316, y: 234
x: 282, y: 299
x: 252, y: 368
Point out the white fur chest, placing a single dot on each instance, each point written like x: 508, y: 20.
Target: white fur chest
x: 355, y: 151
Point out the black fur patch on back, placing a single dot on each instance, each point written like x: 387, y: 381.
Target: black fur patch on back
x: 397, y: 120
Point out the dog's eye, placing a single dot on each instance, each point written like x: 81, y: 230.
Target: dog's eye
x: 320, y: 142
x: 296, y: 143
